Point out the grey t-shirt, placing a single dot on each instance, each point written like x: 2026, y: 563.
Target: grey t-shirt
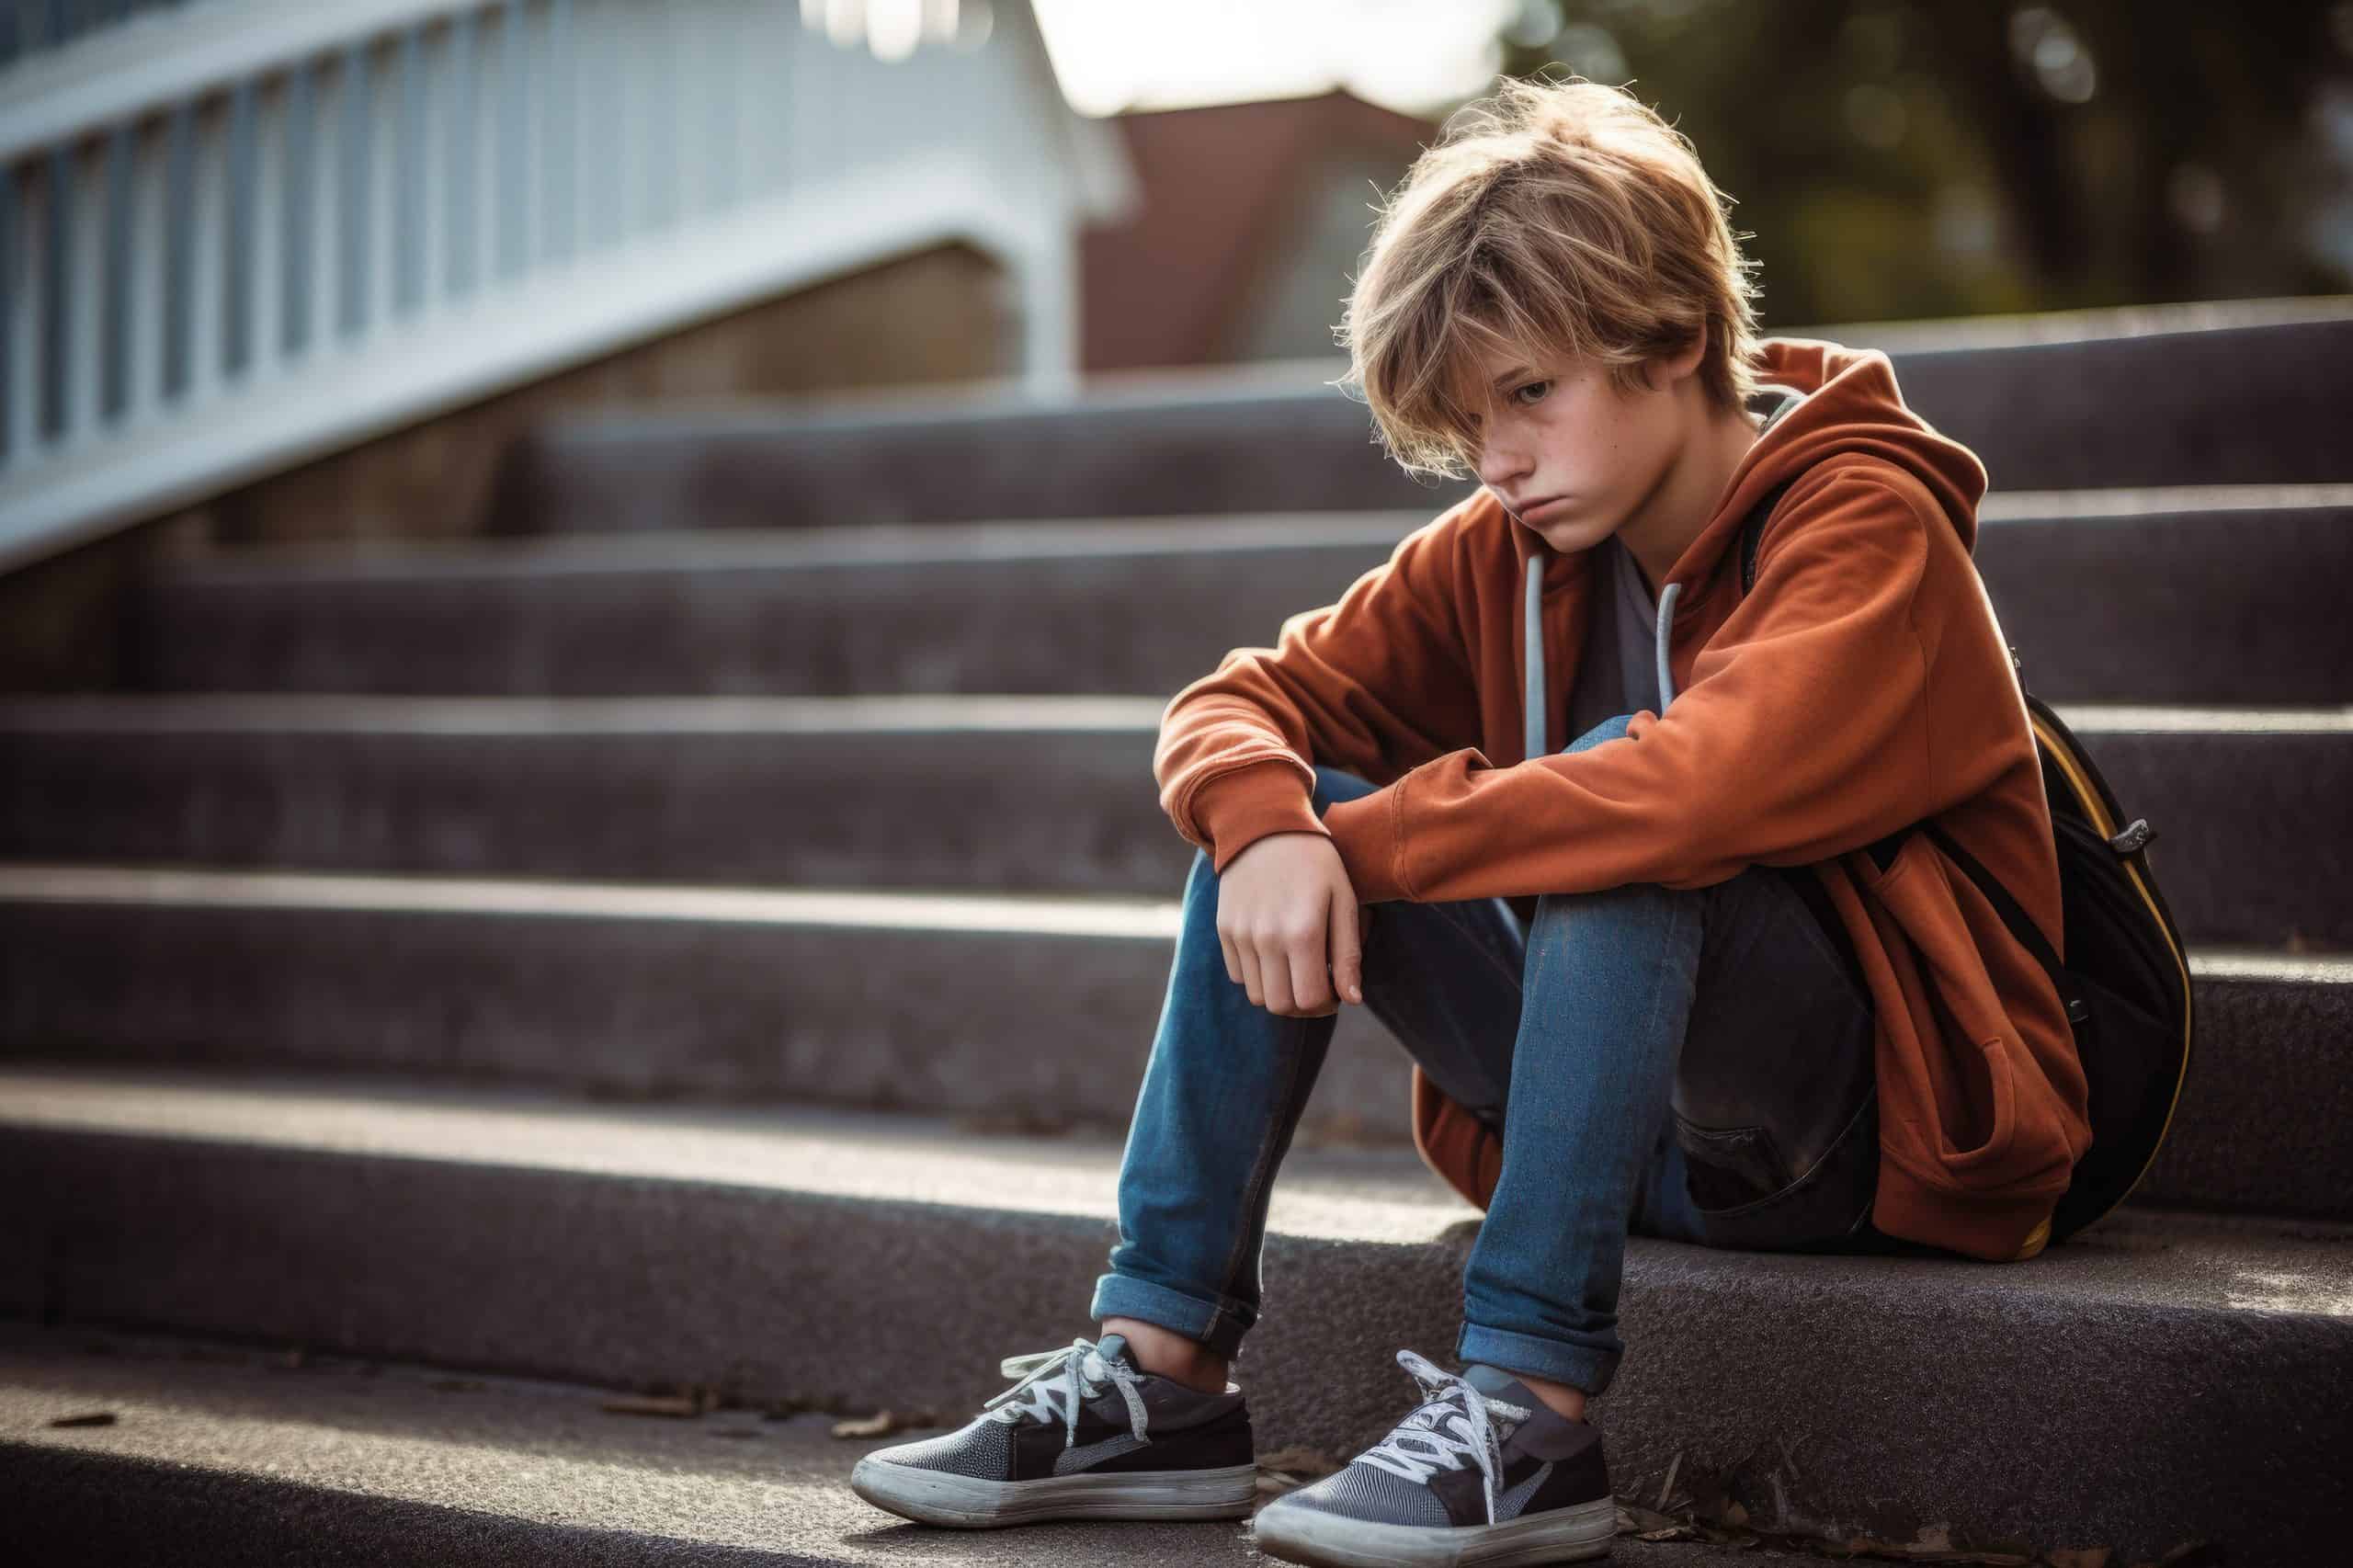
x: 1619, y: 671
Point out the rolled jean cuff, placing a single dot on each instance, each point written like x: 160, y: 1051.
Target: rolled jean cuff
x: 1219, y: 1329
x: 1579, y: 1366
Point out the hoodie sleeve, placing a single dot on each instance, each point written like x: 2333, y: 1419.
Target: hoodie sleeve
x: 1803, y: 733
x: 1373, y: 683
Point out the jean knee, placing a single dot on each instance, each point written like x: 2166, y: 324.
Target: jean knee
x: 1652, y: 896
x: 1651, y: 904
x: 1333, y: 785
x: 1608, y: 730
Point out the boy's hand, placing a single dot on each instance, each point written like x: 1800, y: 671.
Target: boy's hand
x: 1285, y: 909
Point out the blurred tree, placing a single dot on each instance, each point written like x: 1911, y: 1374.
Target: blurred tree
x: 1899, y: 159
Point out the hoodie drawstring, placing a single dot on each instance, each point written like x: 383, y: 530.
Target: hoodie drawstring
x: 1665, y: 621
x: 1533, y: 737
x: 1535, y: 729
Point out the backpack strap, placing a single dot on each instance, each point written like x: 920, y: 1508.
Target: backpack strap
x: 1882, y: 851
x: 1752, y: 528
x: 2029, y: 934
x: 1751, y: 531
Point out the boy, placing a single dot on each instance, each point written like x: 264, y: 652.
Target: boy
x: 1689, y: 975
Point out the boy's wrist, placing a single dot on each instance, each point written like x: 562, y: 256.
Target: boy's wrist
x: 1238, y: 809
x: 1365, y: 833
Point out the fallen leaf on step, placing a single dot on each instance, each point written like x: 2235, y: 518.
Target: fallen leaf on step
x: 653, y: 1405
x: 1286, y: 1469
x: 882, y: 1422
x: 211, y: 1353
x: 1018, y: 1123
x: 1936, y: 1548
x: 88, y: 1418
x: 1646, y: 1524
x: 1305, y: 1462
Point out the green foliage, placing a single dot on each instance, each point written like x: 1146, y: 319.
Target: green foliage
x: 1949, y: 157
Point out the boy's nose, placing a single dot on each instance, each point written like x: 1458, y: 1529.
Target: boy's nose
x: 1498, y: 466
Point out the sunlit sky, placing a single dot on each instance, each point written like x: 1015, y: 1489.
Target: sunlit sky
x: 1406, y: 54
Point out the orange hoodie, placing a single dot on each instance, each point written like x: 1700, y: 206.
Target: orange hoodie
x: 1861, y: 686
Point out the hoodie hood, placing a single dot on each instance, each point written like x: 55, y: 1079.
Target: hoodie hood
x: 1847, y: 406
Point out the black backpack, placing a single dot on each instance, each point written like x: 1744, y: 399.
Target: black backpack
x: 2126, y: 979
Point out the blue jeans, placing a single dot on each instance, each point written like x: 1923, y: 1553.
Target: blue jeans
x: 1689, y: 1063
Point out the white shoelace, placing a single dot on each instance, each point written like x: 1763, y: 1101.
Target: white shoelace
x: 1454, y: 1420
x: 1083, y: 1370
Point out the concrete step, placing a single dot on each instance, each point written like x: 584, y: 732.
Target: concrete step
x: 775, y: 1254
x: 226, y: 1454
x: 1007, y: 794
x: 1030, y: 1007
x: 271, y: 1456
x: 2205, y: 394
x: 2205, y: 596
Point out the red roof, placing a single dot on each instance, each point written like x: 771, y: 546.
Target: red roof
x: 1219, y: 185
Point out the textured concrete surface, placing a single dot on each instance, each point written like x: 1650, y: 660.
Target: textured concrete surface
x: 2208, y: 393
x: 1032, y: 1007
x: 232, y: 1455
x: 2116, y: 597
x: 2163, y: 600
x: 1004, y: 794
x: 2159, y: 1378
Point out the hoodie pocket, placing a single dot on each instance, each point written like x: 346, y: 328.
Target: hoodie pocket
x: 1916, y: 889
x: 1993, y: 1093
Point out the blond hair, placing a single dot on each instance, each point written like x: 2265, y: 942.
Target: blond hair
x: 1551, y: 216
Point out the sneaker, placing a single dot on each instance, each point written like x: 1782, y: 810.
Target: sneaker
x: 1086, y: 1434
x: 1482, y: 1472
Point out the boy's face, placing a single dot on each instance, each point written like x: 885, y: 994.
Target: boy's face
x: 1569, y: 455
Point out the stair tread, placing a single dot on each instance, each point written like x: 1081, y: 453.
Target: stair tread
x: 1104, y: 914
x: 686, y: 550
x: 336, y: 712
x: 1145, y: 604
x: 1076, y: 914
x: 478, y: 1466
x: 2172, y: 1258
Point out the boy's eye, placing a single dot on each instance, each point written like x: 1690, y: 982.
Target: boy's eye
x: 1520, y: 395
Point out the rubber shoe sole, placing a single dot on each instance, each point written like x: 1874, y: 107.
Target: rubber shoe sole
x: 1332, y: 1540
x: 965, y: 1501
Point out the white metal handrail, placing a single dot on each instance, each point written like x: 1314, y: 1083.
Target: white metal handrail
x: 241, y: 233
x: 29, y: 27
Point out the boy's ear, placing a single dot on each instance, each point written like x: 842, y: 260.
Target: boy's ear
x: 1667, y: 370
